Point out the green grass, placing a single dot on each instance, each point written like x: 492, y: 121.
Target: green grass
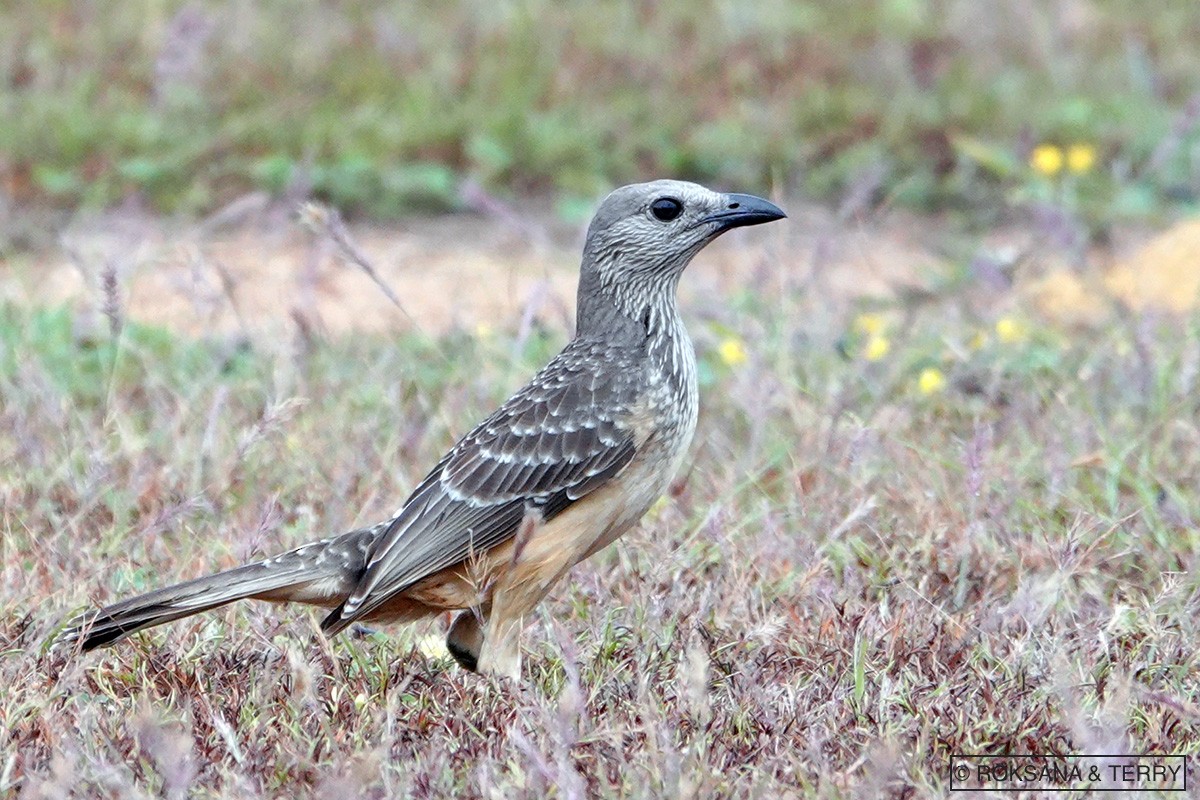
x: 381, y: 108
x: 857, y: 579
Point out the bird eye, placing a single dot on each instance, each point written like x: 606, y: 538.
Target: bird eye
x: 666, y: 209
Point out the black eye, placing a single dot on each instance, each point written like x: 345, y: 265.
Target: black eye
x: 666, y: 208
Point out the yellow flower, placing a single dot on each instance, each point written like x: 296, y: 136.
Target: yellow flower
x: 876, y: 347
x: 978, y: 341
x: 931, y: 380
x: 1081, y: 158
x: 483, y: 331
x: 431, y: 645
x: 732, y: 351
x: 1009, y: 330
x: 1047, y: 159
x: 870, y: 324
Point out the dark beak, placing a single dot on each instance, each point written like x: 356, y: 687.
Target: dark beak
x: 744, y: 209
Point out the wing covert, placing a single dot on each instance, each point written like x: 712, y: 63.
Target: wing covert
x: 559, y: 438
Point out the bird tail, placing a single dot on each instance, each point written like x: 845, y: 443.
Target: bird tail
x: 322, y: 574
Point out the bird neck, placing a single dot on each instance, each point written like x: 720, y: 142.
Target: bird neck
x: 635, y: 308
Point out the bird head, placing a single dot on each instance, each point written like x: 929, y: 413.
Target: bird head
x: 644, y: 235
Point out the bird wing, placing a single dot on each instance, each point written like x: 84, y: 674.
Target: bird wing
x: 556, y: 440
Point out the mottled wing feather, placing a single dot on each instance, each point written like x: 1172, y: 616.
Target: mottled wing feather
x: 561, y: 437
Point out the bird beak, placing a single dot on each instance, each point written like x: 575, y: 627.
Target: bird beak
x: 744, y: 209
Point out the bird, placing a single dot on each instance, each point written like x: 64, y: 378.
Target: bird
x: 559, y: 471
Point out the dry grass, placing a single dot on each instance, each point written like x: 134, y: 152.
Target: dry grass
x: 856, y: 579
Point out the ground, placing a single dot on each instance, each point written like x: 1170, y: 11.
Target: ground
x: 450, y: 272
x: 933, y: 508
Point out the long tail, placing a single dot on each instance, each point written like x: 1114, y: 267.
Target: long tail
x: 322, y: 573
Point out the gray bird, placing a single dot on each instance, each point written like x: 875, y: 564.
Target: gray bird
x: 564, y: 467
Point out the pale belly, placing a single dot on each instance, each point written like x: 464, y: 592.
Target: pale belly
x: 585, y: 528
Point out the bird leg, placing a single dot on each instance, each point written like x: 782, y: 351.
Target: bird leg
x: 536, y: 563
x: 464, y: 640
x: 500, y: 653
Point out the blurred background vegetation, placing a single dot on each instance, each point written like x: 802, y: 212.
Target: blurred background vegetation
x: 382, y: 108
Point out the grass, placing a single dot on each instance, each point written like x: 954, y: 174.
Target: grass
x: 930, y: 524
x: 380, y: 108
x: 864, y: 572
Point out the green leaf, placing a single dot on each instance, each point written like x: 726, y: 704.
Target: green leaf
x: 1000, y: 161
x: 57, y: 181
